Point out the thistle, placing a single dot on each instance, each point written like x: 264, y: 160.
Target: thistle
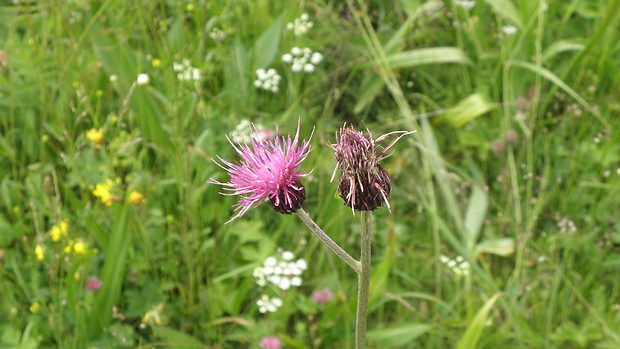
x: 364, y: 184
x: 268, y: 170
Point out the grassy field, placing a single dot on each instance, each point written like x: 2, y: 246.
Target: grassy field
x: 505, y: 202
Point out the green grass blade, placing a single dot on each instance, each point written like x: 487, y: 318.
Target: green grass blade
x: 549, y: 75
x: 113, y: 274
x: 433, y: 55
x: 474, y: 330
x: 397, y: 336
x: 561, y: 46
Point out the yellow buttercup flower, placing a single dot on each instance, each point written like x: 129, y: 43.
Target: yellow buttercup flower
x: 95, y: 135
x: 39, y: 252
x: 35, y: 307
x: 135, y: 197
x: 60, y: 230
x: 102, y: 191
x: 79, y: 247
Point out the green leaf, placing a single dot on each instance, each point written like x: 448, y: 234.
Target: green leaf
x: 466, y: 110
x: 475, y: 215
x: 266, y: 46
x: 501, y: 247
x: 474, y: 330
x: 507, y: 10
x: 398, y: 335
x: 433, y: 55
x: 178, y: 340
x: 561, y: 46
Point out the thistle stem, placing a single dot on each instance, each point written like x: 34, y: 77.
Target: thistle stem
x: 363, y: 288
x: 352, y: 262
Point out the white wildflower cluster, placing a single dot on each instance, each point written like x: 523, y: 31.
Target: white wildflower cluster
x: 267, y: 80
x: 185, y: 71
x: 465, y: 4
x: 302, y: 59
x: 242, y: 132
x: 217, y: 34
x: 267, y: 304
x: 283, y: 272
x: 567, y: 226
x: 459, y: 265
x: 301, y: 25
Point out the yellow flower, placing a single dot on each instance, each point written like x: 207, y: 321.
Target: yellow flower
x: 39, y: 252
x: 35, y: 307
x: 60, y: 230
x: 135, y: 197
x: 94, y: 135
x: 156, y: 62
x: 102, y: 191
x: 79, y: 247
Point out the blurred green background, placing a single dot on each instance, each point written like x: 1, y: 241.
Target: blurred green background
x: 506, y: 201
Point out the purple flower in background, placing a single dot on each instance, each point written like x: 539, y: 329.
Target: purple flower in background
x: 270, y: 343
x: 322, y: 296
x: 269, y: 169
x: 93, y: 283
x: 364, y: 184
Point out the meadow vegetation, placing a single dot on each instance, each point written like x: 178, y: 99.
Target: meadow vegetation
x: 505, y: 202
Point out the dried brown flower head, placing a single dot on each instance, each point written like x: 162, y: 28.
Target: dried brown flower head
x: 364, y: 184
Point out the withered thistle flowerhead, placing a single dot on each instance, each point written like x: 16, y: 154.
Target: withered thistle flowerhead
x: 269, y: 170
x: 364, y: 184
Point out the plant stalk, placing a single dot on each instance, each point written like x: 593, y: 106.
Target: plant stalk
x: 363, y: 288
x: 352, y: 262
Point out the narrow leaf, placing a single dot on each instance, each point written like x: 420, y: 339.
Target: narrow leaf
x: 466, y: 110
x: 474, y: 330
x: 433, y: 55
x: 266, y: 46
x: 398, y: 335
x: 475, y: 215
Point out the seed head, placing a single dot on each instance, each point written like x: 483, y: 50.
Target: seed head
x: 364, y: 184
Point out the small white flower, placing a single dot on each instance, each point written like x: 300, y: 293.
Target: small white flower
x: 284, y: 284
x: 509, y: 30
x: 301, y: 264
x: 271, y: 262
x: 287, y: 255
x: 113, y: 78
x: 296, y: 281
x: 444, y: 259
x: 465, y: 4
x: 296, y: 68
x: 316, y: 58
x: 304, y: 17
x: 287, y: 58
x: 308, y: 68
x: 143, y: 79
x: 295, y: 51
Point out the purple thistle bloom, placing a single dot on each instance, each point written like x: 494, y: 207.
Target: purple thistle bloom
x: 364, y: 184
x: 269, y: 169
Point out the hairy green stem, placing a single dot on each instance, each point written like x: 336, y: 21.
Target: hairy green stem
x: 354, y: 264
x: 363, y: 288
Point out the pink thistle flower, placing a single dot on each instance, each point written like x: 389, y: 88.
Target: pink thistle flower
x: 269, y: 169
x: 322, y: 296
x: 364, y: 184
x: 270, y: 343
x: 93, y: 283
